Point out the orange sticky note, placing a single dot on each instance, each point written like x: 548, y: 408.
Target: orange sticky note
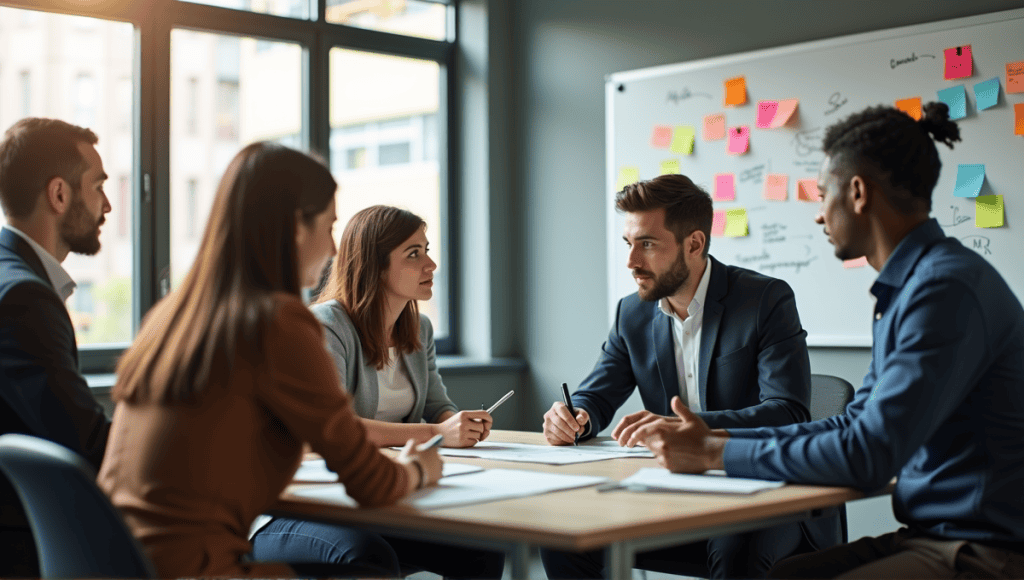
x: 739, y: 140
x: 765, y: 113
x: 807, y: 190
x: 775, y: 186
x: 911, y: 106
x: 661, y: 136
x: 718, y: 223
x: 958, y: 62
x: 1015, y: 77
x: 735, y: 91
x: 1018, y: 119
x: 858, y: 263
x: 714, y: 127
x: 786, y: 109
x: 725, y: 187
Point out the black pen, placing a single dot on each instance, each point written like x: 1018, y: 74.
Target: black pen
x: 568, y: 403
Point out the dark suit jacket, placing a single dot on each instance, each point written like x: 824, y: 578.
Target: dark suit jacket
x: 754, y: 368
x: 42, y: 392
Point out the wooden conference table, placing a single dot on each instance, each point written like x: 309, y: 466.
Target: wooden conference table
x: 623, y: 522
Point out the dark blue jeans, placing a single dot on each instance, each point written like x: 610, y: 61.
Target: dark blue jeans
x: 354, y: 552
x: 748, y: 555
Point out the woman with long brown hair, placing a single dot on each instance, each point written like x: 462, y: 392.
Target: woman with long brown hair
x: 384, y: 351
x: 229, y: 377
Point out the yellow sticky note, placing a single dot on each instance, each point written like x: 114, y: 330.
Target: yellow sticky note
x: 627, y: 175
x: 735, y: 91
x: 911, y: 106
x: 988, y: 211
x: 714, y: 127
x: 669, y: 166
x: 736, y: 223
x: 682, y: 140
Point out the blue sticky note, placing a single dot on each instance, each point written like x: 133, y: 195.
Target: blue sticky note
x: 987, y: 93
x: 956, y: 99
x: 969, y: 178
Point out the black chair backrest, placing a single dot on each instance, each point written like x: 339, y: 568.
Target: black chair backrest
x: 78, y: 532
x: 829, y: 396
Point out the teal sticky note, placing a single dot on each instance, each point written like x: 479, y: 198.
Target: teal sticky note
x: 969, y: 179
x: 987, y: 93
x: 956, y: 99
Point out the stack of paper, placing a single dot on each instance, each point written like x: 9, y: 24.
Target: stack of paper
x: 548, y: 454
x: 655, y: 479
x: 315, y: 471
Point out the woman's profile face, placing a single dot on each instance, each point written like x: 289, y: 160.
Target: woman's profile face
x: 315, y: 245
x: 410, y: 273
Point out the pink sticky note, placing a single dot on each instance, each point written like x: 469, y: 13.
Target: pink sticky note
x: 725, y: 187
x: 661, y: 137
x: 718, y: 223
x: 958, y: 62
x: 786, y: 109
x: 739, y: 140
x: 807, y: 190
x: 775, y: 186
x: 858, y: 263
x: 714, y: 127
x: 765, y: 113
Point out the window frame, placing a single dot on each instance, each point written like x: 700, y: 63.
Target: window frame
x: 153, y: 21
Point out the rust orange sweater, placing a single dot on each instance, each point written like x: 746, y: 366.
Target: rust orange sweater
x: 190, y: 479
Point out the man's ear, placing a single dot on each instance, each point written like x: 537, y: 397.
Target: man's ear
x: 860, y: 192
x: 696, y: 243
x: 58, y: 195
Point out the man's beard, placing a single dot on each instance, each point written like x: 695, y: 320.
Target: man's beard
x: 666, y: 284
x: 79, y: 230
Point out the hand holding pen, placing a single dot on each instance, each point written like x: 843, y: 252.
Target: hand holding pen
x: 467, y: 428
x: 563, y: 424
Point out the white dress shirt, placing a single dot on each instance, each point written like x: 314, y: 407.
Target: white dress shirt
x: 59, y: 277
x: 686, y: 342
x: 394, y: 390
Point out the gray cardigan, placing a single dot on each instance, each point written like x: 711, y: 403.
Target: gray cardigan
x: 360, y: 378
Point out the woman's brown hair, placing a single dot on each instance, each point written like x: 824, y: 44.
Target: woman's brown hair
x: 357, y: 280
x: 220, y: 311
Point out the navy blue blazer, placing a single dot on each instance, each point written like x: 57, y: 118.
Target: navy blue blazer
x: 42, y: 391
x: 754, y: 369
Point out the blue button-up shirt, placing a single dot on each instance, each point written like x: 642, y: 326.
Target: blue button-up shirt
x: 942, y: 405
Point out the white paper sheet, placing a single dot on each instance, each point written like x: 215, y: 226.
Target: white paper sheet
x: 657, y: 479
x: 315, y: 471
x: 548, y: 454
x: 479, y: 487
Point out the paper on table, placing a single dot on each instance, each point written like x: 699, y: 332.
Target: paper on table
x: 551, y: 455
x: 480, y: 487
x: 315, y: 471
x: 638, y: 451
x: 657, y: 479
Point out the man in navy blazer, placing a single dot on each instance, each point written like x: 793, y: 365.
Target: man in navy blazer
x: 51, y: 190
x: 726, y: 340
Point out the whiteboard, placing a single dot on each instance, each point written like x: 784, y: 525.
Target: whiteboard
x: 832, y: 79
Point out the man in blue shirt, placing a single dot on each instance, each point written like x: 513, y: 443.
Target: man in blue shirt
x: 942, y: 405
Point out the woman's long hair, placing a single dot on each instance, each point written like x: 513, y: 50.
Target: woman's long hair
x: 192, y: 337
x: 357, y: 280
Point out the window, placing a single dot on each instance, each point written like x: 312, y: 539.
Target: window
x: 171, y: 117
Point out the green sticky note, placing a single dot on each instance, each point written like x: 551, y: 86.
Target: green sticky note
x: 736, y: 223
x: 988, y: 211
x: 669, y: 166
x: 682, y: 140
x: 627, y: 175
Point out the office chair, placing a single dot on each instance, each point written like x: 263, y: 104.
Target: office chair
x: 829, y: 396
x: 78, y: 532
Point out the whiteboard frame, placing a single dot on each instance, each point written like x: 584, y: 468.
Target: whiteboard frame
x: 612, y: 80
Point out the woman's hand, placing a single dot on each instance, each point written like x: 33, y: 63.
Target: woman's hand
x: 430, y: 465
x: 465, y: 428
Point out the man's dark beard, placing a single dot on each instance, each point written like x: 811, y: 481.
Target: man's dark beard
x: 666, y: 284
x: 78, y: 230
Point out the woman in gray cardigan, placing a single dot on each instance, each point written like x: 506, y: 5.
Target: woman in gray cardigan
x: 384, y: 350
x: 383, y: 347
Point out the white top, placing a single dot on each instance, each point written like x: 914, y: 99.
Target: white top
x: 59, y: 277
x: 686, y: 342
x: 394, y: 391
